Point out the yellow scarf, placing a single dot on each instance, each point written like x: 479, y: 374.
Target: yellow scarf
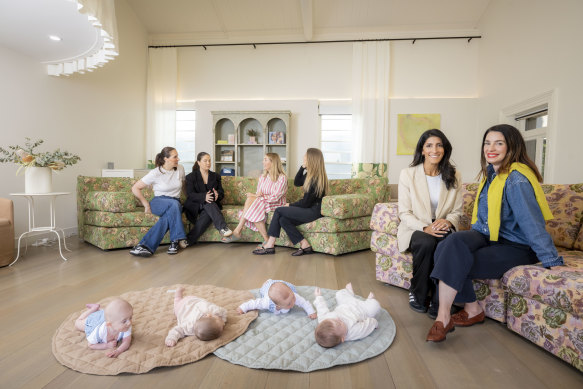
x: 495, y: 197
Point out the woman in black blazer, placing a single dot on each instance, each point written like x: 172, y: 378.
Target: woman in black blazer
x: 204, y: 193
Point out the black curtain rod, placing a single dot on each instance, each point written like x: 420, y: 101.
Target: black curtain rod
x: 469, y: 38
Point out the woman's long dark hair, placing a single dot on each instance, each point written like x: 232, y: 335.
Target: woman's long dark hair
x: 515, y: 152
x: 199, y: 156
x: 165, y: 153
x: 445, y: 167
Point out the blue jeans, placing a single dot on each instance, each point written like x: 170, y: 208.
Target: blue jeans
x: 170, y: 212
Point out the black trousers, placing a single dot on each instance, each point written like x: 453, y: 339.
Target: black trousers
x: 423, y: 246
x: 290, y: 217
x: 201, y: 218
x: 469, y: 255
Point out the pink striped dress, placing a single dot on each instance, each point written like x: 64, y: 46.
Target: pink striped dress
x: 273, y: 197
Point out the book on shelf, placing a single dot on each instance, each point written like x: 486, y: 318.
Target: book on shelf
x: 231, y: 139
x: 227, y: 156
x: 222, y: 142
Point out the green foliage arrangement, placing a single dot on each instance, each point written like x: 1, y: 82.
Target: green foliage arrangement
x: 27, y: 156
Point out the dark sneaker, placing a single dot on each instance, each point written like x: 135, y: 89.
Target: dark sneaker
x: 140, y: 251
x: 173, y: 249
x: 416, y: 305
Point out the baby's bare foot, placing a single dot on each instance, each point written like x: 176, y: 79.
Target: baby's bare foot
x: 349, y: 287
x: 371, y: 295
x: 92, y: 307
x: 179, y: 291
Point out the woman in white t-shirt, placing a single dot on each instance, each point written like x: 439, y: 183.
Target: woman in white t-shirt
x: 167, y: 181
x: 430, y: 206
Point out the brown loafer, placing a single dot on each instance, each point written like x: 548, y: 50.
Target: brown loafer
x: 437, y: 332
x: 461, y: 319
x: 301, y: 251
x: 264, y: 251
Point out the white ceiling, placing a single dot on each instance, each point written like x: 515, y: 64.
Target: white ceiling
x: 26, y: 24
x: 231, y: 21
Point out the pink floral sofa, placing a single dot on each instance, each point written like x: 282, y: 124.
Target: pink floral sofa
x: 109, y: 216
x: 543, y: 305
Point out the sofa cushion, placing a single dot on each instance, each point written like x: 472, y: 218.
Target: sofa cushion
x: 111, y: 201
x: 566, y: 203
x: 561, y: 288
x: 376, y: 187
x: 385, y: 218
x: 120, y: 219
x: 347, y: 206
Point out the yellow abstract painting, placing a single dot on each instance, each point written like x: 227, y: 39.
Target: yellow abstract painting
x: 411, y: 126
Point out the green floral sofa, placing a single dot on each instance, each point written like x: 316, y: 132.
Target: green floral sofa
x: 110, y: 217
x: 543, y: 305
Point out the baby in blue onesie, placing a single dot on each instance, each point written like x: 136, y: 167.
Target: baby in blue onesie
x: 278, y: 297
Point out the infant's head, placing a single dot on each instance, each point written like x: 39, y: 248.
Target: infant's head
x: 282, y: 296
x: 118, y: 315
x: 209, y: 327
x: 330, y: 332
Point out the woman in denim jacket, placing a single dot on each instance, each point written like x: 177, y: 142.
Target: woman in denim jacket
x: 508, y: 230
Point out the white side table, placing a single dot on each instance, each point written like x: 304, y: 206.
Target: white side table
x: 31, y: 224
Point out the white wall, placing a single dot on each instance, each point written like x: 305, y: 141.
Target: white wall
x: 100, y: 116
x: 440, y: 75
x: 530, y: 47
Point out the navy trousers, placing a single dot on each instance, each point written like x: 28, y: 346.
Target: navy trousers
x: 468, y: 255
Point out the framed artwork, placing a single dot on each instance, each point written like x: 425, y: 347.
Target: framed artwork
x: 411, y: 126
x: 277, y: 137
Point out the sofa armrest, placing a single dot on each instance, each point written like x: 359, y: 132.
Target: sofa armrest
x: 111, y: 201
x: 347, y: 206
x: 385, y: 218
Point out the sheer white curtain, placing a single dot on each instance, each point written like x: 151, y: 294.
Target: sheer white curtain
x: 161, y: 100
x: 370, y: 102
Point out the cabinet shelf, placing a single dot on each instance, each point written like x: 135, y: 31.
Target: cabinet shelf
x: 247, y: 157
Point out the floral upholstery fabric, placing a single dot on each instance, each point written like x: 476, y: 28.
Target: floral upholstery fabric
x: 368, y: 170
x: 347, y: 206
x: 110, y: 217
x: 111, y: 201
x: 546, y: 306
x: 543, y: 305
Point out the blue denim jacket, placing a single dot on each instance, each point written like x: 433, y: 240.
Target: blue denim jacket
x: 521, y: 219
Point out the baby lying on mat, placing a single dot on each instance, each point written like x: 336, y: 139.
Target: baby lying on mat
x: 352, y: 319
x: 105, y: 328
x: 277, y: 297
x: 196, y: 316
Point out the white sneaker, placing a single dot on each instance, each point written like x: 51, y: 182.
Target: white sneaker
x: 140, y: 251
x: 226, y: 232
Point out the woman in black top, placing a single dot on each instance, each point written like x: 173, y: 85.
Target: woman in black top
x: 312, y: 176
x: 204, y: 193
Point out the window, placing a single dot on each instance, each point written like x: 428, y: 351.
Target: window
x: 185, y: 126
x: 533, y: 125
x: 336, y: 144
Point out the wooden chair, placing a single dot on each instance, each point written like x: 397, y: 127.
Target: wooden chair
x: 6, y: 232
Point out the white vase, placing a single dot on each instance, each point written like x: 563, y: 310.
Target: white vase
x: 38, y: 180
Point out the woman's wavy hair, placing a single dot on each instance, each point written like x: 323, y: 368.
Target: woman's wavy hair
x: 515, y: 151
x: 276, y: 169
x: 199, y: 156
x: 316, y: 175
x: 446, y: 168
x: 165, y: 153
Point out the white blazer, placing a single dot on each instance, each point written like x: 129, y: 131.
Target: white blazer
x: 415, y: 206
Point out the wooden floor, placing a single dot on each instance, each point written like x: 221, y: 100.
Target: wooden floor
x: 40, y: 290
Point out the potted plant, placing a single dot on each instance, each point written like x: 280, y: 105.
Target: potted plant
x: 252, y: 135
x: 38, y: 165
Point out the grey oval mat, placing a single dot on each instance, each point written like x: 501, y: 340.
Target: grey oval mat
x: 286, y: 342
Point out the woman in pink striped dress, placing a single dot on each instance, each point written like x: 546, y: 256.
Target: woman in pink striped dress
x: 271, y: 191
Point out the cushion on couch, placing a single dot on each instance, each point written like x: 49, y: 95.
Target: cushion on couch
x: 111, y: 201
x: 347, y: 205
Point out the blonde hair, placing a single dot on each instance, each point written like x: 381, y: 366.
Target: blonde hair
x: 276, y: 169
x: 316, y: 175
x: 327, y: 335
x: 207, y: 328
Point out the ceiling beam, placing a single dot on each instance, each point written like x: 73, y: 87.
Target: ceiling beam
x: 307, y: 8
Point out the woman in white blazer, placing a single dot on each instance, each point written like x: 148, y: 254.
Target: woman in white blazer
x: 430, y: 206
